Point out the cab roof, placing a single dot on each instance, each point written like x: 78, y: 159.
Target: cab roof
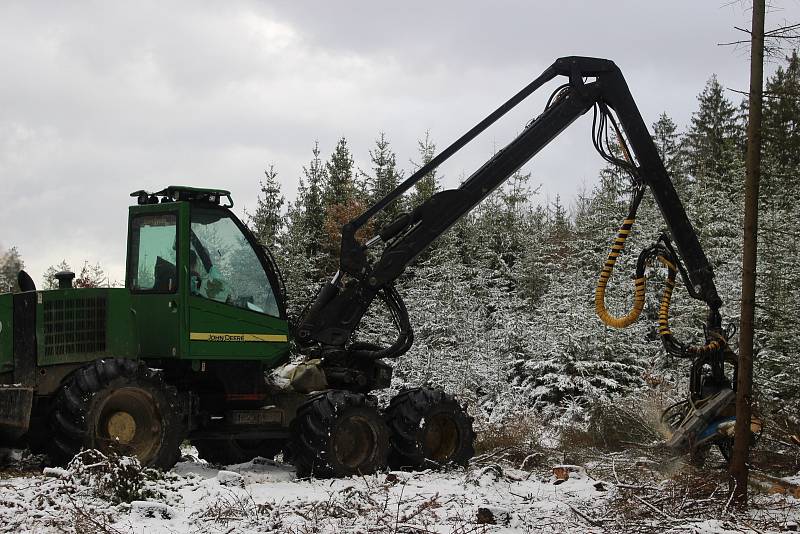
x: 178, y: 193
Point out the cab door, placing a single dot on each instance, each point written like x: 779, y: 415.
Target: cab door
x: 234, y: 313
x: 154, y: 278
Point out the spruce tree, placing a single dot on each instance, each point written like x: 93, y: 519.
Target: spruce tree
x: 712, y: 137
x: 428, y: 184
x: 343, y: 200
x: 309, y: 213
x: 780, y: 186
x: 302, y: 260
x: 559, y: 223
x: 667, y: 141
x: 502, y: 222
x: 384, y: 179
x: 267, y: 222
x: 339, y: 187
x: 298, y: 260
x: 716, y: 168
x: 781, y: 112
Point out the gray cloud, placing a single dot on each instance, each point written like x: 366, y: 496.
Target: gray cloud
x: 101, y: 99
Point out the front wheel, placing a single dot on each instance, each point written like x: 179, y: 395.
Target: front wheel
x: 120, y: 406
x: 338, y: 433
x: 428, y: 426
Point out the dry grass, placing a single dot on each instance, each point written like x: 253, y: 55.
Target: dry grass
x: 775, y: 452
x: 369, y: 505
x: 88, y: 520
x: 236, y: 507
x: 514, y: 441
x: 615, y: 426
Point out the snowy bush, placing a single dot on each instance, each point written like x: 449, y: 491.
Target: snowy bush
x: 577, y: 370
x: 115, y: 478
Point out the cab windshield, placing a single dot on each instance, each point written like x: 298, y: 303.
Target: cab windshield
x: 223, y: 265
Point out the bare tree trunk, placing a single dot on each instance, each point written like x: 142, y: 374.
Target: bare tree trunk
x: 741, y: 443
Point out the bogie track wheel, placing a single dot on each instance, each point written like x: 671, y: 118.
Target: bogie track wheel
x: 338, y: 433
x: 428, y: 427
x: 121, y: 406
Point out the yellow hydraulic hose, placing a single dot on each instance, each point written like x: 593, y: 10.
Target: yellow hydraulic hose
x: 605, y: 275
x: 663, y: 315
x: 666, y: 297
x: 616, y: 249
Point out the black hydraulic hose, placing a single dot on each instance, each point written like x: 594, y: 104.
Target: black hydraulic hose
x: 681, y: 268
x: 405, y: 336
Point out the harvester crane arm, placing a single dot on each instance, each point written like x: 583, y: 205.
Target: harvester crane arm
x: 590, y: 83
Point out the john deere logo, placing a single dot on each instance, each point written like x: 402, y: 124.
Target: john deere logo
x: 237, y: 338
x: 225, y: 337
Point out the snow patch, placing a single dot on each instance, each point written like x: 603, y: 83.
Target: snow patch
x: 148, y: 509
x: 230, y: 479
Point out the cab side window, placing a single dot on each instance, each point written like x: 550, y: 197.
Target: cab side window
x: 153, y: 254
x: 224, y: 267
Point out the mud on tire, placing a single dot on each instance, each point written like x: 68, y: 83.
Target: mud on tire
x: 428, y: 427
x: 338, y: 433
x: 118, y: 405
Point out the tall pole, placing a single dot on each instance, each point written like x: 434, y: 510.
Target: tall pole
x: 744, y: 384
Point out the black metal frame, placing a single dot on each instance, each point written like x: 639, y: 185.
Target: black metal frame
x: 336, y: 312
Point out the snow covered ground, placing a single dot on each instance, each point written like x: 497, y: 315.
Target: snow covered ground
x: 264, y: 496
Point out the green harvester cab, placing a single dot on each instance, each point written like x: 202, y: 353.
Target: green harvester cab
x: 203, y: 304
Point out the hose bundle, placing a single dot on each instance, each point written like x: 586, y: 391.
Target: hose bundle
x: 662, y: 252
x: 405, y: 334
x: 674, y: 347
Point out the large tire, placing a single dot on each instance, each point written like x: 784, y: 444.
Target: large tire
x: 428, y: 428
x: 236, y: 451
x: 338, y: 433
x: 118, y: 405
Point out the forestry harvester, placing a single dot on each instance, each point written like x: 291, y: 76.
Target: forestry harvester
x: 196, y: 345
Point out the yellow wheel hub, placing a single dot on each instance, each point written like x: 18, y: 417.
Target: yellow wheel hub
x: 121, y: 427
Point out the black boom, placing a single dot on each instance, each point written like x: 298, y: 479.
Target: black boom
x: 592, y: 83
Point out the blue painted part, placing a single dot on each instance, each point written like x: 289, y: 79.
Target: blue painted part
x: 712, y: 428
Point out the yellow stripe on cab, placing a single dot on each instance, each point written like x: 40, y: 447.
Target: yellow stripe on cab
x: 237, y: 338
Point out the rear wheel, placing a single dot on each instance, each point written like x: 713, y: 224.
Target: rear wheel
x: 236, y: 451
x: 121, y: 406
x: 338, y: 433
x: 428, y: 427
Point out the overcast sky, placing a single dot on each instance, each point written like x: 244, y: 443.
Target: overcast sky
x: 99, y: 99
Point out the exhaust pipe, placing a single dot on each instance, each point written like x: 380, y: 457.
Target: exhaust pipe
x: 65, y: 279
